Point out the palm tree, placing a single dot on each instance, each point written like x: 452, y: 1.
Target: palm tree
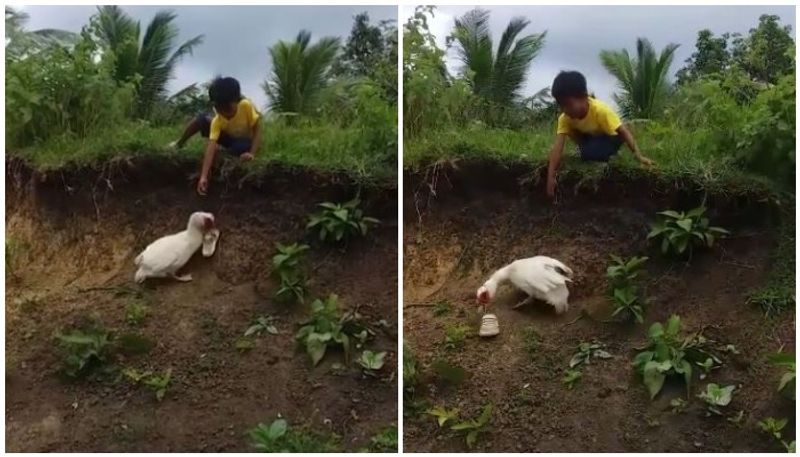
x: 495, y: 76
x: 642, y: 80
x: 20, y: 41
x: 299, y: 72
x: 149, y: 60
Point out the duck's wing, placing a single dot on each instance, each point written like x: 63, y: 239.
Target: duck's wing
x: 163, y: 255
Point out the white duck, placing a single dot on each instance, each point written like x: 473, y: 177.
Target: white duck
x: 540, y: 277
x: 165, y: 256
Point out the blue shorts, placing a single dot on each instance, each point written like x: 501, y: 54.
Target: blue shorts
x: 236, y: 146
x: 598, y: 148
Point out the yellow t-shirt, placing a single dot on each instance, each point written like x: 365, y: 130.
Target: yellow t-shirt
x: 600, y: 120
x: 239, y: 126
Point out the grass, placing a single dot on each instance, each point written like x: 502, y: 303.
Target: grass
x: 678, y: 156
x: 322, y: 147
x: 778, y: 294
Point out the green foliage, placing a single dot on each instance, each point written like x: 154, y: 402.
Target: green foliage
x: 472, y: 428
x: 260, y: 325
x: 678, y: 405
x: 571, y: 377
x: 621, y: 275
x: 774, y: 427
x: 448, y: 372
x: 410, y: 372
x: 280, y: 437
x: 642, y: 80
x: 444, y: 415
x: 83, y: 349
x: 13, y: 250
x: 586, y: 352
x: 622, y: 272
x: 340, y: 221
x: 669, y: 354
x: 787, y: 382
x: 716, y: 397
x: 455, y: 335
x: 136, y: 311
x: 384, y: 441
x: 531, y: 340
x: 371, y: 361
x: 324, y: 328
x: 299, y: 73
x: 625, y: 300
x: 287, y: 268
x: 681, y: 232
x: 441, y: 308
x: 157, y: 383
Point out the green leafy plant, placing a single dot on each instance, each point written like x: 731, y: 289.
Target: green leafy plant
x: 260, y: 325
x: 443, y: 415
x: 787, y: 382
x: 668, y: 353
x: 442, y: 308
x: 455, y: 335
x: 621, y: 275
x: 410, y: 372
x: 136, y: 312
x: 339, y: 221
x: 159, y: 383
x: 678, y: 405
x: 530, y: 340
x: 371, y: 361
x: 774, y: 427
x: 324, y: 328
x: 287, y: 268
x: 135, y: 376
x: 681, y: 232
x: 587, y: 351
x: 384, y: 441
x: 83, y: 349
x: 716, y: 397
x: 472, y: 428
x: 626, y: 301
x: 571, y: 377
x: 280, y: 437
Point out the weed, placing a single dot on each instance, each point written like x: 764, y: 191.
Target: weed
x: 669, y: 354
x: 260, y: 325
x: 778, y: 294
x: 244, y: 344
x: 133, y: 344
x: 325, y: 328
x: 472, y: 428
x: 13, y: 250
x: 448, y: 372
x: 678, y: 405
x: 455, y: 335
x: 587, y: 351
x: 442, y: 308
x: 135, y: 376
x: 625, y: 300
x: 774, y: 427
x: 787, y: 382
x: 571, y: 377
x: 287, y: 268
x: 339, y: 221
x: 279, y: 437
x: 136, y: 312
x: 384, y: 441
x: 371, y: 361
x: 443, y: 415
x: 681, y: 232
x: 410, y: 372
x: 83, y: 349
x: 737, y: 419
x: 531, y: 340
x: 717, y: 397
x: 159, y: 383
x: 621, y: 273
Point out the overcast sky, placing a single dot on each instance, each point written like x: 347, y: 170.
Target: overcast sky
x: 576, y: 34
x: 236, y: 37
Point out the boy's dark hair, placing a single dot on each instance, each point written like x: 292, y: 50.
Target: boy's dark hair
x: 569, y: 84
x: 224, y: 91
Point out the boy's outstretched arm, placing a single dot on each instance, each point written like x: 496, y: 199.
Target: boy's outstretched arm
x: 208, y: 161
x: 627, y: 136
x: 555, y: 161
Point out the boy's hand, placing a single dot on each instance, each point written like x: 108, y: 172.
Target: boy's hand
x: 551, y: 188
x: 647, y: 163
x: 246, y: 157
x: 202, y: 186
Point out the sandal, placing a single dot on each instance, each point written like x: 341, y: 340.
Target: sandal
x: 210, y: 242
x: 489, y: 326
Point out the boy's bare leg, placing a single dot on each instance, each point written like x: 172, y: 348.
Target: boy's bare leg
x: 192, y: 128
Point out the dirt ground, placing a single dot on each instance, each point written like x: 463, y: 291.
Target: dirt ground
x: 482, y: 219
x: 82, y: 231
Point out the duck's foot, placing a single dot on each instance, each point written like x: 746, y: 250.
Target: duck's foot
x: 527, y: 301
x: 182, y: 278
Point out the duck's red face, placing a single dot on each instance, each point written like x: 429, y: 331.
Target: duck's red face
x: 483, y: 296
x: 208, y: 223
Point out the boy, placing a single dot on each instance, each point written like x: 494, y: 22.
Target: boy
x: 590, y: 123
x: 234, y: 127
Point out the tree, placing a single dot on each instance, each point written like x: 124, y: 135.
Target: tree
x: 711, y: 57
x: 767, y: 53
x: 299, y: 72
x: 149, y: 61
x: 642, y: 80
x: 495, y: 76
x: 20, y: 42
x: 371, y: 52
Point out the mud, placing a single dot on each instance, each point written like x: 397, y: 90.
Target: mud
x: 78, y: 232
x: 483, y: 216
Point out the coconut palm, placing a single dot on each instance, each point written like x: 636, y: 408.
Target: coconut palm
x: 148, y: 60
x: 642, y: 80
x: 299, y: 72
x: 20, y: 41
x: 495, y: 76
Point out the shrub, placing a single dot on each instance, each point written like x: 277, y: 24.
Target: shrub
x: 325, y: 328
x: 472, y: 428
x: 287, y: 268
x: 681, y: 232
x: 83, y: 349
x: 621, y: 275
x: 339, y: 221
x: 279, y: 437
